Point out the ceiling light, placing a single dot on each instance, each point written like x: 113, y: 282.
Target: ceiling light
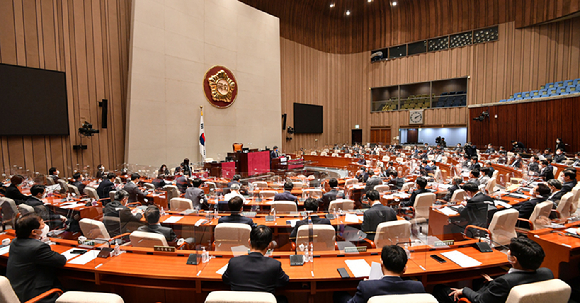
x: 369, y: 1
x: 331, y: 5
x: 394, y: 3
x: 347, y: 12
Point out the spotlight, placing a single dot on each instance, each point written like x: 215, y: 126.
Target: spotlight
x: 347, y: 12
x: 394, y: 3
x: 331, y: 5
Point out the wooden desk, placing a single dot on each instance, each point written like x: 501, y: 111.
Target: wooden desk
x: 562, y: 252
x: 507, y: 171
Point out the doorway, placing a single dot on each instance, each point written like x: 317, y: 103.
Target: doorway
x: 381, y: 136
x: 356, y: 136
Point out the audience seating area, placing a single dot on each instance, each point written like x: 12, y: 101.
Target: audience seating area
x: 451, y: 99
x: 560, y: 88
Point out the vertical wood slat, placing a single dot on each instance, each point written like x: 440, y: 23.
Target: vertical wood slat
x: 69, y: 36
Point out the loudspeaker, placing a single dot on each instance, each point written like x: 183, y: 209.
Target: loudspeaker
x: 105, y: 109
x: 284, y: 121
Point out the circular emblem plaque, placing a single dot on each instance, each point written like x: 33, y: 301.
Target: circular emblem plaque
x: 220, y: 87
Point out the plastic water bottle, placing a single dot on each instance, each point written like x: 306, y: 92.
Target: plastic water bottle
x: 204, y: 255
x: 407, y: 251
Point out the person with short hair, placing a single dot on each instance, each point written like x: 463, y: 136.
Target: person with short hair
x: 474, y: 164
x: 181, y: 181
x: 37, y: 193
x: 517, y: 162
x: 555, y: 187
x: 152, y: 215
x: 135, y: 193
x: 53, y: 174
x: 100, y: 171
x: 32, y: 263
x: 78, y: 182
x: 286, y: 195
x: 331, y: 195
x: 421, y: 189
x: 546, y: 170
x: 117, y: 208
x: 310, y: 205
x: 274, y: 153
x: 393, y: 265
x: 569, y: 180
x: 560, y: 157
x: 576, y: 160
x: 534, y: 166
x: 254, y: 271
x: 456, y: 185
x: 474, y: 211
x: 234, y: 192
x: 524, y: 255
x: 525, y: 208
x: 377, y: 214
x: 196, y: 195
x: 235, y: 205
x: 484, y: 176
x: 159, y: 182
x: 395, y: 180
x: 490, y: 150
x: 372, y: 181
x: 474, y: 176
x: 106, y: 186
x: 13, y: 192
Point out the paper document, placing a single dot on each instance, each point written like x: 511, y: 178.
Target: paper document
x: 501, y: 203
x: 86, y: 258
x: 448, y: 211
x: 292, y: 222
x: 222, y: 270
x: 4, y: 250
x: 444, y: 186
x: 67, y: 254
x: 359, y: 268
x: 352, y: 218
x: 568, y: 230
x: 461, y: 259
x: 173, y: 219
x: 72, y: 205
x: 200, y: 222
x: 376, y: 271
x: 518, y: 196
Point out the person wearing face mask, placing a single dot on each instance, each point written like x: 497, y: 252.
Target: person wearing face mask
x: 517, y: 162
x: 534, y: 166
x: 13, y: 192
x: 31, y: 263
x: 474, y: 211
x: 546, y: 170
x: 541, y: 194
x: 53, y: 174
x: 555, y: 187
x: 100, y: 171
x: 560, y: 145
x: 559, y: 157
x: 78, y: 182
x: 577, y: 160
x: 35, y: 200
x: 117, y: 208
x: 474, y: 164
x: 525, y: 257
x: 490, y: 150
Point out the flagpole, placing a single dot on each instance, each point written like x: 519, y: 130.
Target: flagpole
x: 202, y: 135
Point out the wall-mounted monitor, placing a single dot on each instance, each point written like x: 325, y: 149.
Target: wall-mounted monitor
x: 308, y: 119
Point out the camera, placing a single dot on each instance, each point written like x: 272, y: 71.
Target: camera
x: 87, y: 130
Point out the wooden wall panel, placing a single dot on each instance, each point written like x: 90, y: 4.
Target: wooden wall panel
x: 536, y: 124
x: 522, y: 60
x: 539, y: 11
x: 88, y: 40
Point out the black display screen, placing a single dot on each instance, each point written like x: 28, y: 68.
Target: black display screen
x: 308, y: 119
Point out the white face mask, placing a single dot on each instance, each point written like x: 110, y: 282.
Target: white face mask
x: 43, y: 232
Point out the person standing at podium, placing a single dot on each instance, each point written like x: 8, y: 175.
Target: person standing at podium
x: 274, y: 153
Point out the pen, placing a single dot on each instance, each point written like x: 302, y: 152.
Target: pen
x: 98, y: 266
x: 312, y: 273
x: 199, y: 272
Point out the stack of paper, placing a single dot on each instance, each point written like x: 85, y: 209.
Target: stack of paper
x: 352, y: 218
x: 359, y: 268
x: 448, y: 211
x: 173, y: 219
x: 461, y: 259
x: 222, y: 270
x: 501, y: 203
x: 86, y: 258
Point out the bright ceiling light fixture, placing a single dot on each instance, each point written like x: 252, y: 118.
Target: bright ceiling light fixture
x: 347, y: 12
x: 331, y: 5
x: 369, y: 1
x: 394, y: 3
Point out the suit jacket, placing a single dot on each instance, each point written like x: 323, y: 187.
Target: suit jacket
x: 195, y: 194
x: 285, y: 196
x: 489, y: 151
x: 104, y: 188
x: 374, y: 216
x: 14, y: 193
x: 388, y: 285
x: 116, y: 209
x: 534, y: 167
x: 526, y: 208
x: 315, y: 220
x: 568, y: 186
x: 517, y: 163
x: 475, y: 211
x: 557, y: 196
x: 274, y: 154
x: 328, y: 197
x: 414, y: 196
x: 398, y: 182
x: 547, y: 173
x: 559, y: 158
x: 372, y: 182
x: 80, y: 186
x: 237, y: 218
x: 158, y: 183
x: 254, y: 272
x: 135, y: 194
x: 31, y: 267
x: 182, y: 183
x: 498, y: 290
x: 576, y: 163
x: 450, y: 192
x: 475, y: 166
x: 167, y: 232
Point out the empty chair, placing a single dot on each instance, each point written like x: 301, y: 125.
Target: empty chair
x: 518, y: 96
x: 73, y: 190
x: 534, y: 94
x: 566, y: 206
x: 9, y: 212
x: 344, y: 204
x: 228, y: 235
x: 49, y: 181
x: 572, y: 89
x: 526, y: 95
x: 542, y: 93
x: 268, y: 194
x: 569, y: 83
x: 312, y: 193
x: 503, y: 226
x: 180, y: 204
x: 562, y: 91
x: 323, y: 236
x: 334, y: 155
x: 552, y: 92
x: 350, y: 182
x: 503, y: 100
x: 408, y: 298
x: 540, y: 210
x: 576, y: 82
x: 550, y: 85
x: 489, y: 187
x: 93, y: 229
x: 63, y: 186
x: 147, y: 239
x: 458, y: 195
x: 25, y: 209
x: 284, y: 206
x: 91, y: 193
x: 240, y: 297
x: 211, y: 185
x: 554, y: 290
x: 386, y: 158
x: 89, y: 297
x: 382, y: 188
x: 421, y: 206
x: 260, y: 184
x: 559, y: 84
x: 297, y: 184
x: 172, y: 192
x: 407, y: 186
x: 392, y: 233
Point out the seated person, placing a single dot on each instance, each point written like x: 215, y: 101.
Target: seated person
x: 474, y: 164
x: 569, y: 180
x: 13, y: 192
x: 196, y: 195
x: 525, y: 256
x: 491, y: 170
x: 152, y: 216
x: 35, y: 200
x: 78, y: 182
x: 286, y: 195
x: 234, y: 192
x: 489, y: 149
x: 517, y: 162
x: 32, y: 264
x: 577, y: 160
x: 542, y: 192
x: 559, y: 157
x: 502, y: 151
x: 395, y: 180
x: 181, y: 180
x: 159, y: 182
x: 331, y: 195
x: 393, y: 266
x: 474, y: 211
x: 456, y: 185
x: 117, y: 208
x: 372, y: 181
x: 377, y: 214
x: 483, y: 176
x: 421, y: 184
x: 53, y: 174
x: 106, y: 186
x: 556, y: 191
x: 254, y: 272
x: 135, y: 194
x: 474, y: 176
x: 546, y: 170
x: 235, y: 205
x: 309, y: 205
x: 534, y: 166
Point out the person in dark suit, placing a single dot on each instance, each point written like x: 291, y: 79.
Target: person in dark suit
x: 35, y: 200
x: 395, y: 180
x: 576, y: 160
x: 474, y: 211
x: 489, y: 150
x: 13, y: 192
x: 569, y: 180
x: 31, y: 263
x: 546, y: 171
x: 559, y: 157
x: 377, y: 214
x: 517, y: 162
x: 560, y: 145
x: 474, y: 176
x: 159, y: 182
x: 286, y: 195
x: 78, y: 182
x: 235, y: 205
x: 100, y: 171
x: 310, y: 205
x: 526, y: 208
x: 393, y: 266
x: 456, y: 185
x: 106, y: 186
x: 474, y: 164
x: 274, y: 153
x: 196, y: 195
x: 556, y: 191
x: 53, y: 174
x: 254, y: 272
x: 534, y: 166
x: 421, y: 184
x: 135, y: 194
x: 235, y: 180
x: 525, y: 257
x: 331, y: 195
x: 181, y: 181
x: 518, y: 146
x: 117, y: 208
x: 372, y: 181
x: 152, y: 216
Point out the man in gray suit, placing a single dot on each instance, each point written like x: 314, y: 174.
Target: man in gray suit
x: 31, y: 264
x: 135, y: 194
x: 152, y: 216
x: 196, y: 195
x: 372, y: 181
x: 377, y: 214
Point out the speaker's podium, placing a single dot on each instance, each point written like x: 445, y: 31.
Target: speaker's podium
x: 252, y: 162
